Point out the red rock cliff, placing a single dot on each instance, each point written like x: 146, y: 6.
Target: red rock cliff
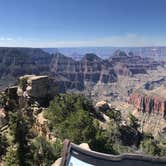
x: 149, y: 103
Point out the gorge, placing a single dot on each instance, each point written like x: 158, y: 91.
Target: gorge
x: 123, y: 77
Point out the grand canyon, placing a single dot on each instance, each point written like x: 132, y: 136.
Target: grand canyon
x: 126, y: 90
x: 83, y: 83
x: 123, y: 79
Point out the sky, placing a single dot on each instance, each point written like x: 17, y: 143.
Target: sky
x: 79, y: 23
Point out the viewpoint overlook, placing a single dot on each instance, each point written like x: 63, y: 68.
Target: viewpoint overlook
x: 122, y: 98
x: 83, y: 83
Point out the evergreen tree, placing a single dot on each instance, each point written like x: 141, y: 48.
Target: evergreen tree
x: 19, y: 130
x: 11, y: 158
x: 43, y: 152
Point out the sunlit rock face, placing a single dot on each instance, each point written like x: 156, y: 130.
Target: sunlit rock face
x: 75, y: 74
x: 66, y: 72
x: 40, y: 88
x: 151, y: 101
x: 102, y: 106
x: 71, y: 74
x: 132, y: 64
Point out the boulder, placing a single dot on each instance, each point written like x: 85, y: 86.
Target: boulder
x: 102, y: 106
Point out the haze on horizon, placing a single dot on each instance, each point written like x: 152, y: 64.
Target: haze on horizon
x: 79, y: 23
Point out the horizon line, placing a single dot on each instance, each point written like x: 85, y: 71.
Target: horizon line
x: 148, y: 46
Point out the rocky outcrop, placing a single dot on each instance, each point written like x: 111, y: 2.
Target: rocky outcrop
x: 95, y: 69
x: 151, y: 124
x: 37, y: 88
x: 102, y: 106
x: 149, y: 102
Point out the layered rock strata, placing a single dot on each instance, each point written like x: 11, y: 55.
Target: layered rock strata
x: 39, y: 88
x: 150, y: 102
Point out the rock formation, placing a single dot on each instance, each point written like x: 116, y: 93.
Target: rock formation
x: 68, y: 73
x: 153, y: 102
x: 134, y: 64
x: 37, y: 88
x: 75, y: 74
x: 19, y: 61
x: 150, y: 85
x: 102, y: 106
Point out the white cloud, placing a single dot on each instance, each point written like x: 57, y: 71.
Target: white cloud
x: 126, y: 40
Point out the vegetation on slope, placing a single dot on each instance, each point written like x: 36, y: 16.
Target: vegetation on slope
x: 73, y: 117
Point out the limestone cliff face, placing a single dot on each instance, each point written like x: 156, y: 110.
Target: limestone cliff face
x: 37, y: 88
x: 15, y: 62
x: 132, y: 64
x: 95, y: 69
x: 74, y: 74
x: 149, y: 103
x: 67, y: 72
x: 70, y: 73
x: 92, y: 70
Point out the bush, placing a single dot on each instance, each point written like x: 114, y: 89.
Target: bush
x: 22, y: 83
x: 44, y: 152
x: 3, y: 144
x: 114, y: 114
x: 149, y: 146
x: 11, y: 157
x: 78, y: 128
x: 133, y: 121
x: 103, y: 143
x: 73, y: 117
x: 162, y: 151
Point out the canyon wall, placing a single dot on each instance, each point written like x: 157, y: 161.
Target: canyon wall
x: 68, y: 73
x: 149, y: 103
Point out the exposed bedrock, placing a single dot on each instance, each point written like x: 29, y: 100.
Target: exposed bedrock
x: 149, y: 103
x: 73, y: 74
x: 68, y: 72
x: 37, y: 88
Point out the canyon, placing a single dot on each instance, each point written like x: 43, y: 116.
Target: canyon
x: 112, y: 79
x: 122, y: 85
x: 123, y: 77
x: 69, y: 73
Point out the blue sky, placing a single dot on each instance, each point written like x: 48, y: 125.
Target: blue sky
x: 70, y: 23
